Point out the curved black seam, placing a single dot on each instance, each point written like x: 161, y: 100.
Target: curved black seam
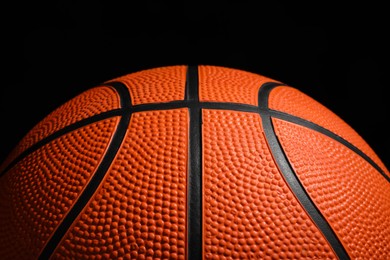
x: 97, y: 178
x: 187, y: 103
x: 63, y: 131
x: 194, y: 187
x: 119, y: 112
x: 322, y: 130
x: 289, y: 174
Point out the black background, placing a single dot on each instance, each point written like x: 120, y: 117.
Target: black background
x: 334, y: 53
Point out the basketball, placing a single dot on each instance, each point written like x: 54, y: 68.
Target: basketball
x: 194, y: 162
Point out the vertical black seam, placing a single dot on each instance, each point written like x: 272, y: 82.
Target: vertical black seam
x: 194, y: 192
x: 97, y: 178
x: 290, y: 176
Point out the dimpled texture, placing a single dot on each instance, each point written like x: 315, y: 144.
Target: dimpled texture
x: 294, y: 102
x: 139, y: 212
x: 37, y: 192
x: 118, y: 189
x: 156, y: 85
x: 248, y: 210
x: 218, y: 84
x: 349, y: 192
x: 85, y: 105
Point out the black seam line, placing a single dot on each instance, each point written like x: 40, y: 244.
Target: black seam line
x: 194, y: 187
x: 63, y: 131
x: 133, y: 109
x: 96, y: 179
x: 122, y: 91
x: 191, y: 103
x: 320, y: 129
x: 290, y: 176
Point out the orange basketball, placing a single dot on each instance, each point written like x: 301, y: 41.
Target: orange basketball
x: 194, y: 162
